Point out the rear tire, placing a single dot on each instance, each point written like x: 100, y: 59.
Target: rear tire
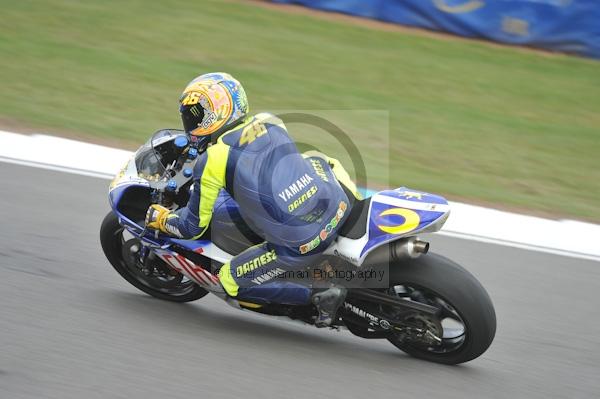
x: 112, y: 244
x: 459, y: 288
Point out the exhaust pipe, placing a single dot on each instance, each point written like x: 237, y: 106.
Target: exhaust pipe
x: 411, y: 247
x: 408, y: 248
x: 421, y: 247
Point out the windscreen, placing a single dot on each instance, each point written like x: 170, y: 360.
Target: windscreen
x: 158, y: 152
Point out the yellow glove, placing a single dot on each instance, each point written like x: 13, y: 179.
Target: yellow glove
x: 156, y: 217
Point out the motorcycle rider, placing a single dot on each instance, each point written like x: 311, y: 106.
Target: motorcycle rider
x: 296, y: 203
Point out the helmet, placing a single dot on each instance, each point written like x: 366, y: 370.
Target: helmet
x: 212, y: 103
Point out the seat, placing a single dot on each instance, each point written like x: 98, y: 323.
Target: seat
x: 356, y: 225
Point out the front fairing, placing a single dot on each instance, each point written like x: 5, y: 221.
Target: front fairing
x: 145, y: 174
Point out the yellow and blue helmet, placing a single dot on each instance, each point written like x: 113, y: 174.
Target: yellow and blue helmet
x: 212, y: 104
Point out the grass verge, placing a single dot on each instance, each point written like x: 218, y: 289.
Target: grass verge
x: 467, y: 120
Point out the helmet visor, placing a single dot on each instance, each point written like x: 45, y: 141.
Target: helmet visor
x: 191, y: 117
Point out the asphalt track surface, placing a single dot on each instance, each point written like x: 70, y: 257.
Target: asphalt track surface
x: 70, y: 327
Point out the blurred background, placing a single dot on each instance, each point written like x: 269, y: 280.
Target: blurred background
x: 503, y: 126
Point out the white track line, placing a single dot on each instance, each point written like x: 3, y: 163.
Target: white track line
x: 557, y: 237
x: 513, y: 244
x: 464, y: 236
x: 57, y: 168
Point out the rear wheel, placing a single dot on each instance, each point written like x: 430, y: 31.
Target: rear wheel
x: 155, y: 278
x: 466, y: 324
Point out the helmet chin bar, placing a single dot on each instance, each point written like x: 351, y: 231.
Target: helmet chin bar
x: 197, y: 135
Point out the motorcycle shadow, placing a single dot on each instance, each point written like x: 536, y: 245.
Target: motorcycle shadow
x: 210, y: 316
x: 211, y: 319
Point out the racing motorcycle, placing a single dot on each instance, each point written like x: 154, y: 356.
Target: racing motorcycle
x: 429, y: 307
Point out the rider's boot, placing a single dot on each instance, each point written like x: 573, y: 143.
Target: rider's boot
x: 327, y: 303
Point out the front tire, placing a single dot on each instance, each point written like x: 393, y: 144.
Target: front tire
x: 439, y: 277
x: 113, y: 243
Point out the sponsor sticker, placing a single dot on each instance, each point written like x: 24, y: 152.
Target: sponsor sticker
x: 329, y: 227
x: 296, y: 187
x: 255, y: 263
x: 318, y: 167
x: 307, y: 194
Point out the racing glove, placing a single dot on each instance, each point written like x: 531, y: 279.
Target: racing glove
x: 156, y: 217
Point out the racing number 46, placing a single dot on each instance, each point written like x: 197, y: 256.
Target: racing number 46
x: 252, y: 132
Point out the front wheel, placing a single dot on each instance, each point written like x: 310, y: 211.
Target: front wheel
x: 161, y: 281
x: 466, y: 324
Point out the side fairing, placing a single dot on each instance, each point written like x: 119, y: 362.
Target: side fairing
x: 393, y: 214
x: 403, y: 212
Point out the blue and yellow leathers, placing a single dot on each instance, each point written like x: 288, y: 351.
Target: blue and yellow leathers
x: 294, y: 202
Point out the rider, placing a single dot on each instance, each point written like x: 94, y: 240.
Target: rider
x: 296, y: 203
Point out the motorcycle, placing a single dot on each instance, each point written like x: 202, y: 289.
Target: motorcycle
x: 430, y: 307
